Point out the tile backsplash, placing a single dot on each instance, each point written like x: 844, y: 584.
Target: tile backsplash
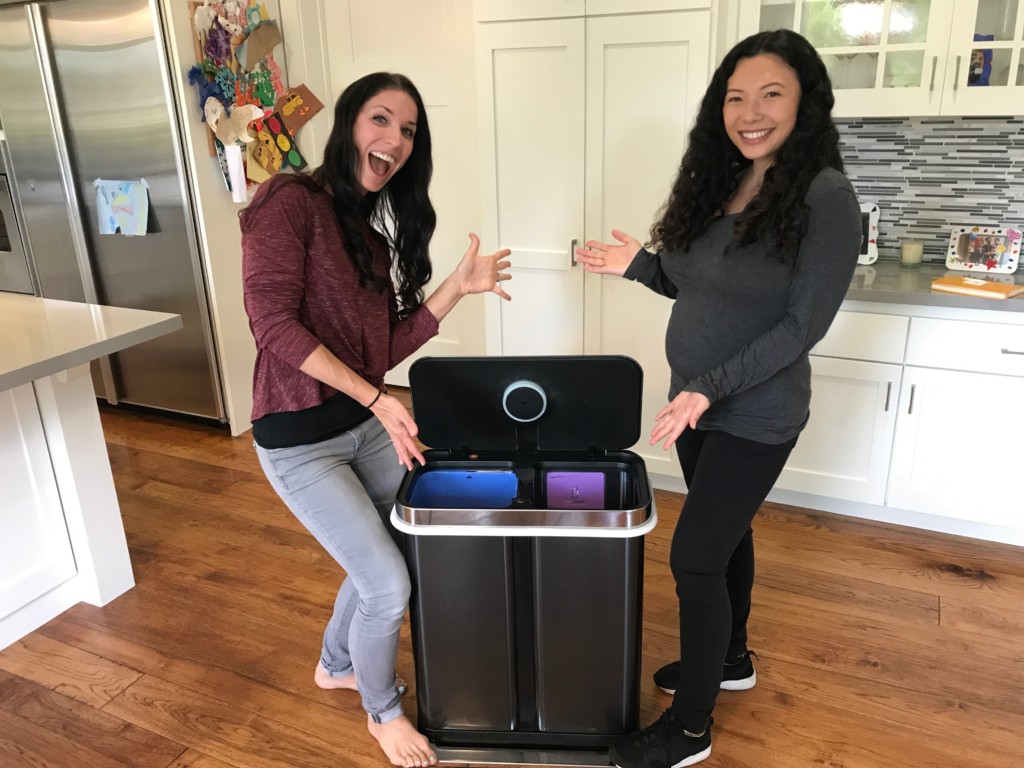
x: 929, y: 174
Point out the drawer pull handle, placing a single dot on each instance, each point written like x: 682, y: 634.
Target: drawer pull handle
x: 1006, y: 351
x: 888, y: 394
x: 572, y: 252
x: 910, y: 408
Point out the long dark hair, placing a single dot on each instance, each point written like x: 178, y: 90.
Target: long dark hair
x: 401, y: 211
x: 712, y: 165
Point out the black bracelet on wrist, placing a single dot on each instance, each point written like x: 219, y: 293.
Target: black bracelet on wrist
x: 374, y: 401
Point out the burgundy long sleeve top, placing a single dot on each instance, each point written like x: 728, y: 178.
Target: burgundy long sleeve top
x: 301, y: 290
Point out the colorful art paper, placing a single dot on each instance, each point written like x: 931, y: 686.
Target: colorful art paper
x: 122, y: 206
x: 297, y: 107
x: 259, y: 43
x: 231, y: 128
x: 290, y: 155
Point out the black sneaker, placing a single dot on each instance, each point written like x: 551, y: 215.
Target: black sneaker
x: 737, y: 675
x: 662, y: 744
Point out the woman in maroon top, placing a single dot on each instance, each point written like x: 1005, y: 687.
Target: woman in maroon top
x: 334, y: 265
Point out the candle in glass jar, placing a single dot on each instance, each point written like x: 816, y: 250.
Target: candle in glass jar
x: 911, y: 252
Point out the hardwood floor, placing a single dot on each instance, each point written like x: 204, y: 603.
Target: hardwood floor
x: 878, y: 646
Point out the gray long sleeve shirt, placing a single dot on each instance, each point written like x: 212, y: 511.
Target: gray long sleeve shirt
x: 743, y: 322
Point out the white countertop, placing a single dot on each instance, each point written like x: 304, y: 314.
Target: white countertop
x: 40, y: 337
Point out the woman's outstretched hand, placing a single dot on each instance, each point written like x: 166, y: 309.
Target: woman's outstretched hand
x: 603, y: 259
x: 400, y: 427
x: 480, y: 274
x: 684, y: 411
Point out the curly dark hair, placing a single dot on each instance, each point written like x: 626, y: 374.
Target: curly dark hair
x: 712, y: 165
x: 401, y: 211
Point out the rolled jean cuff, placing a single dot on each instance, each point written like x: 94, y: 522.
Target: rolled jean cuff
x: 387, y: 715
x: 349, y: 671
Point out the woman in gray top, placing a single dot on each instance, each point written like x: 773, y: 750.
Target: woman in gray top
x: 757, y: 245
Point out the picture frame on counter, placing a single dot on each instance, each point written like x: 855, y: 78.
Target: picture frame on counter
x: 986, y: 250
x: 869, y: 215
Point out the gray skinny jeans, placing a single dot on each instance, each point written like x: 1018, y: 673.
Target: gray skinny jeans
x: 342, y: 490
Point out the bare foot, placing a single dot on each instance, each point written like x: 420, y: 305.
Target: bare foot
x: 324, y: 680
x: 402, y: 743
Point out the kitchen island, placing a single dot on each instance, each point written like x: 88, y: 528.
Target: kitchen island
x: 61, y: 536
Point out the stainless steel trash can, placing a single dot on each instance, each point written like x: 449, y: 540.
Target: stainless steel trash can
x: 525, y: 545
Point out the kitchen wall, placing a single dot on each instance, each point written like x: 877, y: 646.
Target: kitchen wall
x: 927, y: 174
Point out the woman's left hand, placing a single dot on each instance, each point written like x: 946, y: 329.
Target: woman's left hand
x: 684, y: 411
x: 480, y: 274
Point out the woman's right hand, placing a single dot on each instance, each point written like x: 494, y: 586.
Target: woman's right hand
x: 603, y: 259
x: 403, y: 430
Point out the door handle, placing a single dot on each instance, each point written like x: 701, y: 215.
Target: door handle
x: 888, y: 394
x: 935, y: 61
x: 1006, y: 351
x: 572, y: 252
x: 910, y: 408
x: 956, y: 73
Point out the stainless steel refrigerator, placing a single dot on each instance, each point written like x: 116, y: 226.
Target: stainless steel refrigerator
x: 85, y: 94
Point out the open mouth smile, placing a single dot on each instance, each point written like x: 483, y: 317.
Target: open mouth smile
x: 381, y: 162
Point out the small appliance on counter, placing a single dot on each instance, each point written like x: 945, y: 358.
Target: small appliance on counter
x: 525, y: 546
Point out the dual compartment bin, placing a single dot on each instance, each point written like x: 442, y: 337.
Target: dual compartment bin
x: 526, y: 562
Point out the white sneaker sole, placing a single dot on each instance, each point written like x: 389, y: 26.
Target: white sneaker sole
x: 694, y: 759
x: 727, y: 685
x: 691, y: 760
x: 739, y: 685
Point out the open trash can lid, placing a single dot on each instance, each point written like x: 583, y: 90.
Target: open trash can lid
x: 565, y: 403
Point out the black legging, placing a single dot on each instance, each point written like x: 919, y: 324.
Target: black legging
x: 712, y: 558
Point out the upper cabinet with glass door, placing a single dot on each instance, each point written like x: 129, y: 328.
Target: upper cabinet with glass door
x: 985, y: 64
x: 912, y: 57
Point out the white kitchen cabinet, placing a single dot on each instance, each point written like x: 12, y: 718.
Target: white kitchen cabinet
x: 844, y: 450
x: 928, y: 434
x: 35, y: 549
x: 511, y: 10
x: 957, y: 446
x: 958, y: 430
x: 583, y: 124
x: 907, y: 57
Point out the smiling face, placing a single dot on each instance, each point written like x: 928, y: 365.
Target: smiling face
x: 383, y: 134
x: 761, y: 103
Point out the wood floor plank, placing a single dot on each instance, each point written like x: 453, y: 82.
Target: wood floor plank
x: 192, y: 758
x: 238, y: 736
x: 26, y: 745
x: 67, y: 670
x: 85, y: 725
x: 282, y: 690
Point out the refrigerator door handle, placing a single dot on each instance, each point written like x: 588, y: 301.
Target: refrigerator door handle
x: 43, y: 54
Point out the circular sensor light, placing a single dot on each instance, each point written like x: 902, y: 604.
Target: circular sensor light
x: 524, y: 401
